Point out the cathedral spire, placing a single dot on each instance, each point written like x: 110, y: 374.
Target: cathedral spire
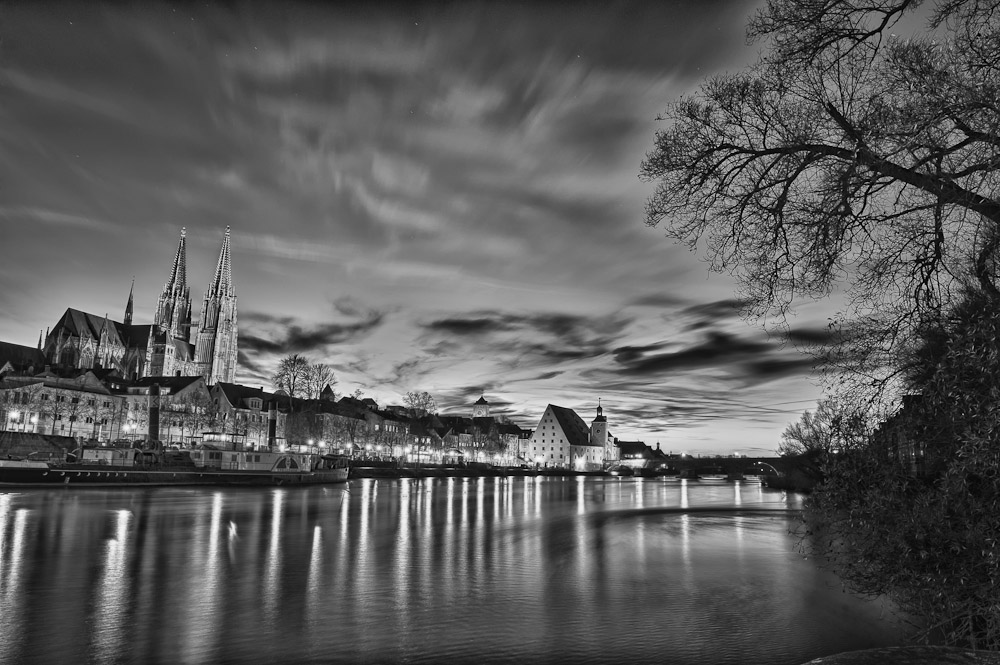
x: 174, y: 304
x: 215, y: 349
x: 178, y: 273
x: 222, y: 282
x: 128, y: 305
x: 39, y: 340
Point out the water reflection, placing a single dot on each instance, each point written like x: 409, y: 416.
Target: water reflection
x: 490, y: 570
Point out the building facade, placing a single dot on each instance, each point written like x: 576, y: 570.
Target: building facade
x: 563, y: 440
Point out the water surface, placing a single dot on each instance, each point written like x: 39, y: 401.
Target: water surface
x: 497, y: 570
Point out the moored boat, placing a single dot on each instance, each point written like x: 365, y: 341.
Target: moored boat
x: 115, y: 467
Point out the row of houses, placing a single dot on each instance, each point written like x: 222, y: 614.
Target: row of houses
x: 100, y: 405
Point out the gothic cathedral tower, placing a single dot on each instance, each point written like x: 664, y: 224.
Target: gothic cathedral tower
x: 172, y: 320
x: 215, y: 348
x: 173, y: 308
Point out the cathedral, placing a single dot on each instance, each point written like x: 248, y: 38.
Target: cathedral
x: 164, y: 348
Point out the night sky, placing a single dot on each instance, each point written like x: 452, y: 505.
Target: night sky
x: 440, y: 197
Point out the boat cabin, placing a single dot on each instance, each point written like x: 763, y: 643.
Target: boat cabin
x: 111, y: 456
x: 255, y: 460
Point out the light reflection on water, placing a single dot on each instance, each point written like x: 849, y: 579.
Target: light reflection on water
x: 587, y: 570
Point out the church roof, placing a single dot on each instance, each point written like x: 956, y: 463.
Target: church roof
x: 482, y: 400
x: 85, y: 324
x: 576, y: 431
x: 183, y: 350
x: 137, y: 335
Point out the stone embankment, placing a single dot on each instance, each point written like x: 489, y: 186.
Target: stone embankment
x: 915, y: 655
x: 361, y: 469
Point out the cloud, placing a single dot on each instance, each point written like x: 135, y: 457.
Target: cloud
x: 289, y: 337
x: 37, y: 215
x: 61, y: 94
x: 717, y: 350
x: 470, y: 326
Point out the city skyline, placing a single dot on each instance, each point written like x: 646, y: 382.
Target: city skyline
x: 438, y: 198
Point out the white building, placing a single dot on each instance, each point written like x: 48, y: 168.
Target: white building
x: 563, y: 440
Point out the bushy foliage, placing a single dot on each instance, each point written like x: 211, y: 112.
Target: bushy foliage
x: 914, y: 512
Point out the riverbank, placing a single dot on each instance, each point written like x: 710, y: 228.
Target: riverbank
x: 915, y: 655
x: 363, y: 469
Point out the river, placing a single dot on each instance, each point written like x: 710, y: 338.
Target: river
x: 492, y: 570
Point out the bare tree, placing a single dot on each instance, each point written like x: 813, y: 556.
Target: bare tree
x: 317, y: 377
x: 844, y: 157
x: 420, y: 403
x: 23, y: 399
x: 292, y: 375
x: 833, y: 427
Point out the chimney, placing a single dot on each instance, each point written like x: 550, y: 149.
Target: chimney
x: 154, y: 414
x: 272, y: 425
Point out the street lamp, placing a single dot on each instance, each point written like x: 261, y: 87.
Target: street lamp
x: 14, y: 415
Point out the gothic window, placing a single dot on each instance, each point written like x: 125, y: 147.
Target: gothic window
x: 68, y: 356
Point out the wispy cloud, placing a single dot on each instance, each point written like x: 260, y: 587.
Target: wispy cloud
x: 32, y: 215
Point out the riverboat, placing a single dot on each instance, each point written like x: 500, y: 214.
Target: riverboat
x: 123, y: 467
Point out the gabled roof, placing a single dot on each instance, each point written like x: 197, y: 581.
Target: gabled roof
x: 482, y: 400
x: 576, y: 431
x: 175, y: 384
x: 21, y: 358
x: 83, y: 382
x: 456, y: 424
x: 237, y: 393
x: 84, y: 324
x: 509, y: 428
x: 635, y: 448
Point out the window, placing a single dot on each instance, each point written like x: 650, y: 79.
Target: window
x: 45, y: 397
